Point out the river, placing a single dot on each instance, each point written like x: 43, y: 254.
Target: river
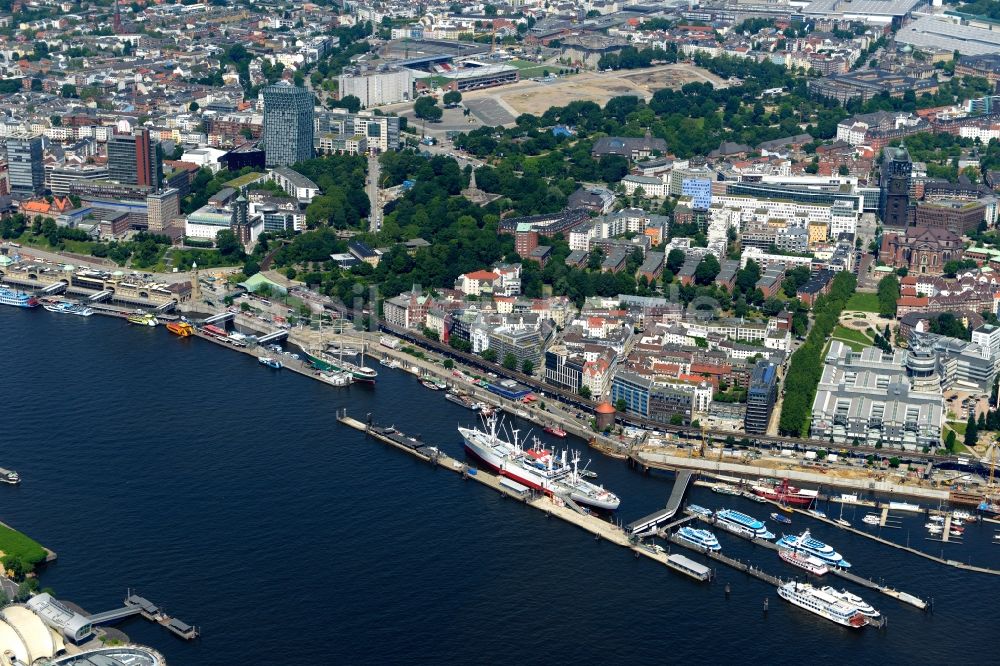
x: 228, y: 493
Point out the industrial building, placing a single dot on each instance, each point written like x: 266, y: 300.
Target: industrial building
x: 940, y: 34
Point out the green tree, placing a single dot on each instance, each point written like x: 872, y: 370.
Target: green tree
x: 510, y: 361
x: 621, y: 405
x: 452, y: 98
x: 707, y: 269
x: 448, y: 364
x: 426, y: 108
x: 888, y: 294
x: 971, y: 431
x: 527, y: 367
x: 585, y: 392
x: 949, y: 440
x: 228, y: 244
x: 489, y: 355
x: 675, y: 259
x: 350, y: 102
x: 193, y: 106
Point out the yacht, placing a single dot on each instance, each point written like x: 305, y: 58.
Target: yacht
x: 871, y: 519
x: 807, y: 544
x: 742, y: 524
x: 701, y: 538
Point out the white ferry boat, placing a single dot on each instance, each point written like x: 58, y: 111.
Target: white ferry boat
x: 863, y: 607
x: 807, y: 544
x: 701, y: 538
x: 823, y: 604
x: 742, y: 524
x: 810, y: 563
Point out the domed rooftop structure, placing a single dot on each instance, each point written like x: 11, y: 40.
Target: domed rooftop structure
x: 36, y: 639
x: 605, y: 408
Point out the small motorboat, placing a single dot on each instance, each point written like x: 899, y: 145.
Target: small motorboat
x: 937, y: 519
x: 817, y: 513
x: 778, y: 518
x: 955, y: 522
x: 955, y: 533
x: 842, y: 522
x: 871, y: 519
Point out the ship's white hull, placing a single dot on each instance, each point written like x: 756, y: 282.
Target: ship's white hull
x: 798, y: 600
x: 502, y: 460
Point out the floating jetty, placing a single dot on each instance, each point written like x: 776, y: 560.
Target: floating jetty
x: 846, y: 575
x: 558, y: 507
x: 136, y: 605
x: 884, y: 517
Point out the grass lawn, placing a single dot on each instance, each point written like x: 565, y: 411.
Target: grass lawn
x: 845, y: 334
x: 863, y: 302
x: 958, y: 426
x: 532, y: 69
x: 23, y: 547
x: 245, y: 180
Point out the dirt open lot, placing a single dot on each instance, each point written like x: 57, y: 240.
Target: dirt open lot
x: 536, y: 97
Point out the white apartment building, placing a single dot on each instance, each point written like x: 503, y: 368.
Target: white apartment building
x: 377, y: 88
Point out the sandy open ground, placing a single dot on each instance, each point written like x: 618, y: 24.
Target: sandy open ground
x: 536, y: 97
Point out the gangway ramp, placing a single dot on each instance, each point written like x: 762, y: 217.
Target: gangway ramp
x: 657, y: 518
x: 166, y: 307
x: 273, y: 337
x: 221, y: 318
x: 114, y: 615
x: 55, y: 288
x: 101, y: 296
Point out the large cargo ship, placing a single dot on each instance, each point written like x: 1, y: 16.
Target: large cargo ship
x: 786, y: 494
x: 823, y: 604
x: 17, y: 298
x: 537, y: 468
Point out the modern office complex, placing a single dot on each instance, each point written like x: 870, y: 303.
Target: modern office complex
x: 288, y: 124
x: 24, y: 165
x: 135, y: 160
x: 867, y: 397
x: 762, y: 393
